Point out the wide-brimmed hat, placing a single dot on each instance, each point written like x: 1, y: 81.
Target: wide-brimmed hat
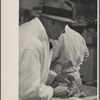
x: 61, y: 10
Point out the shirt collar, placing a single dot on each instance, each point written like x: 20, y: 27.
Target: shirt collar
x: 42, y: 29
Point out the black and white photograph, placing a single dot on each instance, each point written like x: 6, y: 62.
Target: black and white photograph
x: 55, y: 50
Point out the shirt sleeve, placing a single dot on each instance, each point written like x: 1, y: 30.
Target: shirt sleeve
x: 85, y: 50
x: 51, y: 77
x: 30, y: 86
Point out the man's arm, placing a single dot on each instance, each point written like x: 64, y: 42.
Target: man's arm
x: 51, y: 77
x: 30, y: 85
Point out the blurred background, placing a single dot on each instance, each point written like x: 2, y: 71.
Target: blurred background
x: 85, y: 14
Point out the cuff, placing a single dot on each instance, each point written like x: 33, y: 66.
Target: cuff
x: 51, y: 77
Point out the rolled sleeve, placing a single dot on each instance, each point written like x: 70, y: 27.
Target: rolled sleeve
x: 51, y: 77
x: 85, y: 49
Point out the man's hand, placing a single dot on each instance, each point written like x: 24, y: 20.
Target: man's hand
x: 61, y: 92
x: 70, y: 77
x: 64, y: 78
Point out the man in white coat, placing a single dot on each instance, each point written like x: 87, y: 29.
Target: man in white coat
x: 69, y: 52
x: 35, y: 54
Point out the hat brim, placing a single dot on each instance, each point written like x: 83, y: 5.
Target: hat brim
x: 67, y: 20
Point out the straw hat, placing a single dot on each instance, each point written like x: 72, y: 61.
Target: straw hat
x: 61, y: 10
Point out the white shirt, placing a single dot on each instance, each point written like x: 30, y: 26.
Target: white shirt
x: 34, y: 62
x: 70, y: 50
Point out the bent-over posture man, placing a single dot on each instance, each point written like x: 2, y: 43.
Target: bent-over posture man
x: 35, y: 54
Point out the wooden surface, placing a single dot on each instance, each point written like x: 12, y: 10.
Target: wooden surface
x: 88, y: 90
x: 86, y: 98
x: 73, y: 98
x: 91, y: 94
x: 90, y: 98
